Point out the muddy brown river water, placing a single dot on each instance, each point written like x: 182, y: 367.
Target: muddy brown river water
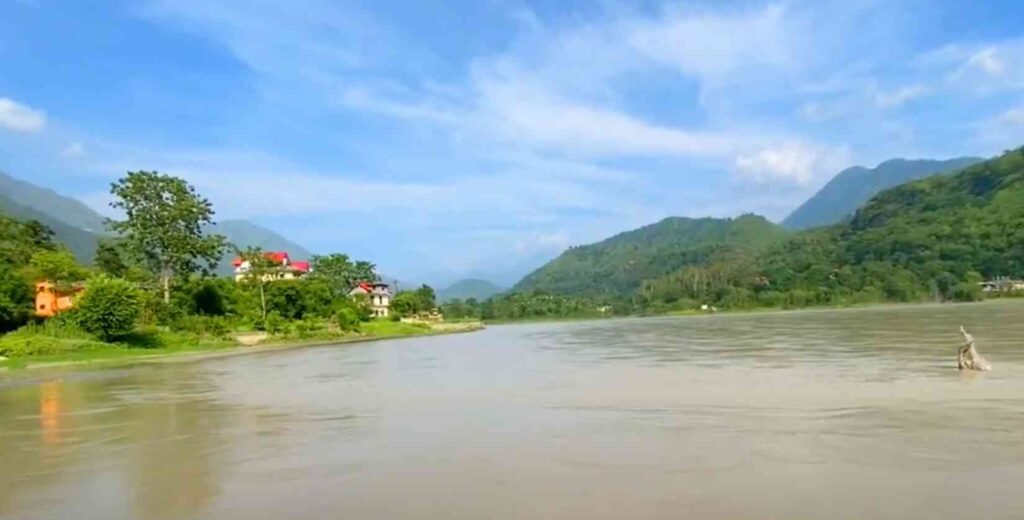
x: 818, y: 414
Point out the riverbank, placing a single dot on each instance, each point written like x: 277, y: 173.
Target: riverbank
x: 197, y: 351
x: 695, y: 313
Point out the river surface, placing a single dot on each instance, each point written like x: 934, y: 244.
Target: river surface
x: 819, y: 414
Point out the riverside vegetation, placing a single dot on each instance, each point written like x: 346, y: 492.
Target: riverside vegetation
x: 151, y: 290
x: 932, y: 239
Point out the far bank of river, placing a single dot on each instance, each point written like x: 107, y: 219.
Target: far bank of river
x: 755, y: 310
x: 115, y: 356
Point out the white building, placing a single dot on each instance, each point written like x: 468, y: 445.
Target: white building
x: 379, y: 295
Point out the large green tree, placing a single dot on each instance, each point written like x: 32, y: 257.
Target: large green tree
x: 19, y: 242
x: 341, y: 273
x: 163, y: 226
x: 259, y: 271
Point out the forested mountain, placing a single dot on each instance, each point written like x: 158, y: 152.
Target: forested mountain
x: 852, y: 187
x: 243, y: 234
x: 70, y: 211
x: 619, y: 265
x: 931, y: 239
x: 82, y: 243
x: 469, y: 288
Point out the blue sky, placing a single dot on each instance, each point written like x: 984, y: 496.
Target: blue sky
x: 480, y: 138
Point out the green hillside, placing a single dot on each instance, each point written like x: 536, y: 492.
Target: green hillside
x: 68, y: 210
x: 852, y: 187
x: 926, y: 240
x: 469, y: 288
x: 242, y: 234
x: 80, y: 242
x: 619, y: 265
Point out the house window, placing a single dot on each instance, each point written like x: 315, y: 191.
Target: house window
x: 42, y: 307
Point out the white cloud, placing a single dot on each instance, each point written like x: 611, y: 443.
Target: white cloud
x: 817, y: 112
x: 1002, y: 131
x: 983, y: 68
x: 988, y: 61
x: 73, y: 150
x: 899, y: 97
x: 795, y: 163
x: 514, y: 110
x: 1014, y: 116
x: 715, y: 47
x: 366, y: 99
x: 17, y: 117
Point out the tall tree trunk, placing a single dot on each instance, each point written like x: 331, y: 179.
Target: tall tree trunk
x: 263, y: 302
x: 167, y: 288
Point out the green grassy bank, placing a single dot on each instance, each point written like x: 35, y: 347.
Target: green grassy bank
x: 48, y: 346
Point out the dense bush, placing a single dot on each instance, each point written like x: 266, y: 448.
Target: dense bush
x: 274, y: 324
x: 215, y: 326
x: 55, y: 336
x: 109, y: 308
x: 347, y: 319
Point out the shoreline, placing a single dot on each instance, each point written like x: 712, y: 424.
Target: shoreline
x: 126, y: 358
x: 754, y: 311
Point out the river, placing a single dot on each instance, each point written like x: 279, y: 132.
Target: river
x: 816, y: 414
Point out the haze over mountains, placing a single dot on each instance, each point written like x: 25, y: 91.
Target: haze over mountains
x: 468, y: 288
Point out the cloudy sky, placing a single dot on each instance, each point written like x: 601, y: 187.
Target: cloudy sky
x: 444, y: 139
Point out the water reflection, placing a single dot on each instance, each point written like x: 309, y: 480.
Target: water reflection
x: 794, y: 415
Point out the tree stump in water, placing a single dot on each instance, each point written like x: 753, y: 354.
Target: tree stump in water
x: 968, y: 357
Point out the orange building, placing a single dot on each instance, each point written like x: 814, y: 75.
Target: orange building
x: 50, y: 300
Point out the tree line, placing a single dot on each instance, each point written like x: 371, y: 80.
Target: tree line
x: 155, y: 276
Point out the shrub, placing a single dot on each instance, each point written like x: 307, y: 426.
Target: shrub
x: 109, y: 308
x: 55, y: 336
x: 968, y: 292
x: 274, y: 324
x: 216, y: 326
x: 208, y: 299
x: 347, y: 319
x: 302, y: 328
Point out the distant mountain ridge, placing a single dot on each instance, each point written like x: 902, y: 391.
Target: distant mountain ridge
x: 72, y: 212
x: 932, y: 238
x: 79, y: 227
x: 242, y: 234
x: 854, y: 186
x: 81, y: 243
x: 468, y: 288
x: 619, y: 265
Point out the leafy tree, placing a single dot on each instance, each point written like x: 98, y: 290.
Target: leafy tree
x: 109, y: 308
x: 163, y: 226
x: 287, y: 299
x: 109, y: 258
x: 57, y: 266
x: 259, y: 273
x: 341, y: 273
x: 19, y: 243
x: 408, y: 303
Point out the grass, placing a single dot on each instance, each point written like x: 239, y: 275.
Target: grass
x: 58, y: 344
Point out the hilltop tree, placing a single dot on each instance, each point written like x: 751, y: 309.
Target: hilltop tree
x: 163, y: 227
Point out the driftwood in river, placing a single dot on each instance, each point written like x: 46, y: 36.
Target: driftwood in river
x: 968, y: 357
